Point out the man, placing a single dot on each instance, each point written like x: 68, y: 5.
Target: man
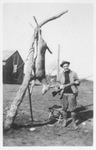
x: 68, y: 99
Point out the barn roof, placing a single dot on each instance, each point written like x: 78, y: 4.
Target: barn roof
x: 8, y: 53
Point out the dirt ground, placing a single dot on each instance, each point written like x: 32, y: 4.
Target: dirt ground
x: 45, y: 133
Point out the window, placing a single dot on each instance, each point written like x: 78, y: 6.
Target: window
x: 14, y: 68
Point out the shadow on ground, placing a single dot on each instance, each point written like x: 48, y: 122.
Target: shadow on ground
x: 83, y: 114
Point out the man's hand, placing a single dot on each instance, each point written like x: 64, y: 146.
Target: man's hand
x: 76, y: 82
x: 62, y: 87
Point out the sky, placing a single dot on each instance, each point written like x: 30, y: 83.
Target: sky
x: 73, y: 32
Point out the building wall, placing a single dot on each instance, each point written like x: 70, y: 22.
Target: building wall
x: 10, y: 77
x: 7, y: 71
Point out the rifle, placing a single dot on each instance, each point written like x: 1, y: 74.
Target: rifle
x: 54, y: 93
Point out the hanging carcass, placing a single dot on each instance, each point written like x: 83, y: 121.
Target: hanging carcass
x: 39, y: 62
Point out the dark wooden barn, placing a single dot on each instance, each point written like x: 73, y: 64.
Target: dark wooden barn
x: 13, y: 67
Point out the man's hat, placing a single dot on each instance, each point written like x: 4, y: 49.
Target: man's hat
x: 64, y: 62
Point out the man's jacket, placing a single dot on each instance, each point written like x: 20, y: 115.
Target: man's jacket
x: 72, y: 77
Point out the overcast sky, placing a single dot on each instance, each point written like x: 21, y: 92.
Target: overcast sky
x: 73, y: 31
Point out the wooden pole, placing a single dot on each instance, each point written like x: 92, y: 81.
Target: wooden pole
x: 58, y: 62
x: 30, y: 102
x: 30, y: 90
x: 11, y: 114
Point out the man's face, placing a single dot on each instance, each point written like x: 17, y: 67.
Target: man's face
x: 66, y: 67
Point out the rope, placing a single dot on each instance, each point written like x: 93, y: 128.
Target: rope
x: 30, y: 50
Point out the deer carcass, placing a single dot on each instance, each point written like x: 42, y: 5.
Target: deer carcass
x: 39, y: 63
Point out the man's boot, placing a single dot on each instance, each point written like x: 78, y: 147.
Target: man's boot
x: 64, y: 118
x: 73, y: 116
